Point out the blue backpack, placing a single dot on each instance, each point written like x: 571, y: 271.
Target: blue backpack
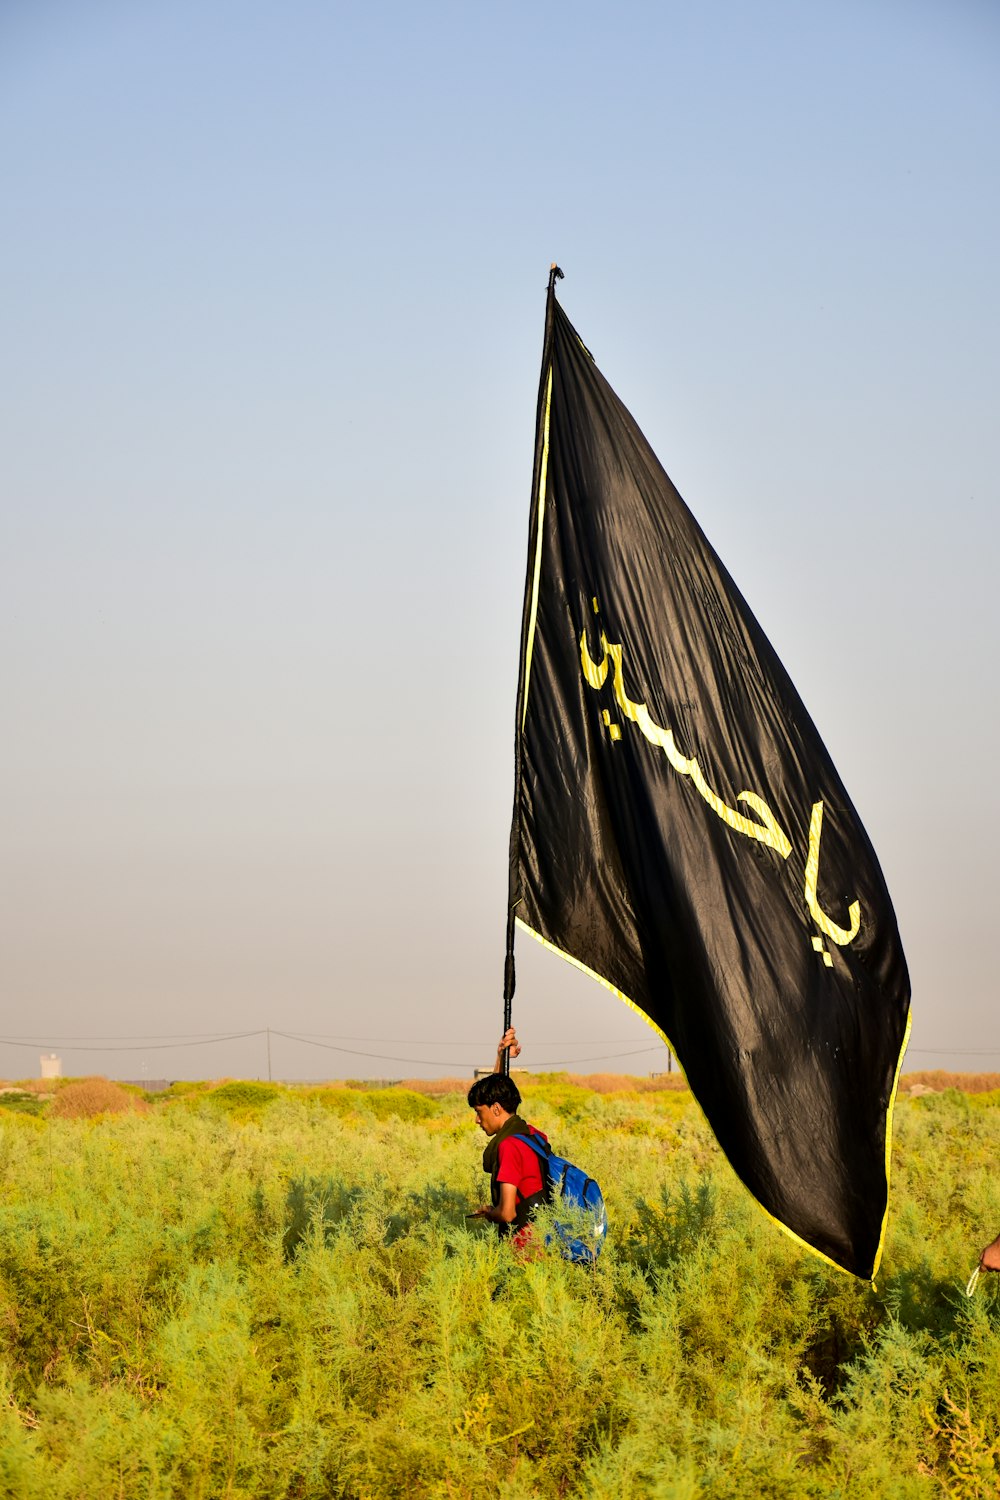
x: 582, y: 1235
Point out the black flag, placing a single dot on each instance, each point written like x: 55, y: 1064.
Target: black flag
x: 680, y: 831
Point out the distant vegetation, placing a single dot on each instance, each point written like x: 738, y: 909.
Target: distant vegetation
x: 83, y: 1098
x: 255, y: 1291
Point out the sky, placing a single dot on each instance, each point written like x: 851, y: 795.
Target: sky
x: 274, y: 292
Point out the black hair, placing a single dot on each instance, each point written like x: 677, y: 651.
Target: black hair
x: 495, y: 1088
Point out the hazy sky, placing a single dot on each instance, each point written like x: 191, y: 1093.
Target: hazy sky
x: 273, y: 296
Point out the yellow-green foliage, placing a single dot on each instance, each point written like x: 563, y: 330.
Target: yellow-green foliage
x: 243, y: 1097
x: 255, y: 1291
x: 339, y: 1101
x: 22, y: 1103
x: 402, y: 1104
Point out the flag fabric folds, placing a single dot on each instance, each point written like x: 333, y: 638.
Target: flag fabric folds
x: 680, y: 831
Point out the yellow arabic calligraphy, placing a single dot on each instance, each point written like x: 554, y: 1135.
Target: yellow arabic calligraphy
x: 766, y: 831
x: 839, y: 935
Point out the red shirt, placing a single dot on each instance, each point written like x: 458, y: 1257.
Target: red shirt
x: 520, y: 1165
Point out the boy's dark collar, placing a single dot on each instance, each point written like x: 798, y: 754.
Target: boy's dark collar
x: 513, y: 1125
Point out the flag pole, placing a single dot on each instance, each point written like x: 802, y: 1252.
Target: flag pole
x: 514, y: 876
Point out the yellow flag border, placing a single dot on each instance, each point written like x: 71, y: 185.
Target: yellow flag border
x: 543, y: 474
x: 593, y: 974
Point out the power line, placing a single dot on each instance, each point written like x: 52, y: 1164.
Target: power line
x: 196, y: 1038
x: 235, y: 1036
x: 453, y: 1063
x: 130, y: 1036
x: 327, y: 1036
x: 594, y: 1041
x: 159, y: 1042
x: 308, y: 1039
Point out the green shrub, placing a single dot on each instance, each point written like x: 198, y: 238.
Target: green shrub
x: 987, y: 1100
x: 399, y: 1103
x: 25, y: 1104
x: 301, y: 1311
x: 243, y: 1097
x: 339, y: 1101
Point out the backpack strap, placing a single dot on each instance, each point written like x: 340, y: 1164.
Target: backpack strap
x: 541, y: 1148
x: 526, y: 1206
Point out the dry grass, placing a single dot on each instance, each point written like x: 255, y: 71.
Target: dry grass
x: 87, y: 1097
x: 66, y: 1091
x: 598, y: 1083
x: 436, y: 1088
x: 617, y: 1083
x: 967, y: 1083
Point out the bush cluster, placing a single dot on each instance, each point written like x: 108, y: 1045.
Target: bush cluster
x: 269, y: 1295
x: 83, y: 1098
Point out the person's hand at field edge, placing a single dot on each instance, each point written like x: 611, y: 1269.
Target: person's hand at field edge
x: 990, y: 1258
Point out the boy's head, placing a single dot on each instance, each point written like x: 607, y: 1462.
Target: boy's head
x: 494, y: 1098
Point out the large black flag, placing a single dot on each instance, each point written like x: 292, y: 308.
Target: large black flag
x: 681, y: 833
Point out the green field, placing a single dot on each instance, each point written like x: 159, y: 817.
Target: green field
x: 263, y: 1291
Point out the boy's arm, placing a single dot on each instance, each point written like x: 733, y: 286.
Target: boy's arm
x: 509, y: 1039
x: 506, y: 1213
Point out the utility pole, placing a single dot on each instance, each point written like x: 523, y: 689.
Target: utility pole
x: 268, y: 1054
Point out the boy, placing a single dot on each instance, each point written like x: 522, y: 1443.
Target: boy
x: 517, y: 1185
